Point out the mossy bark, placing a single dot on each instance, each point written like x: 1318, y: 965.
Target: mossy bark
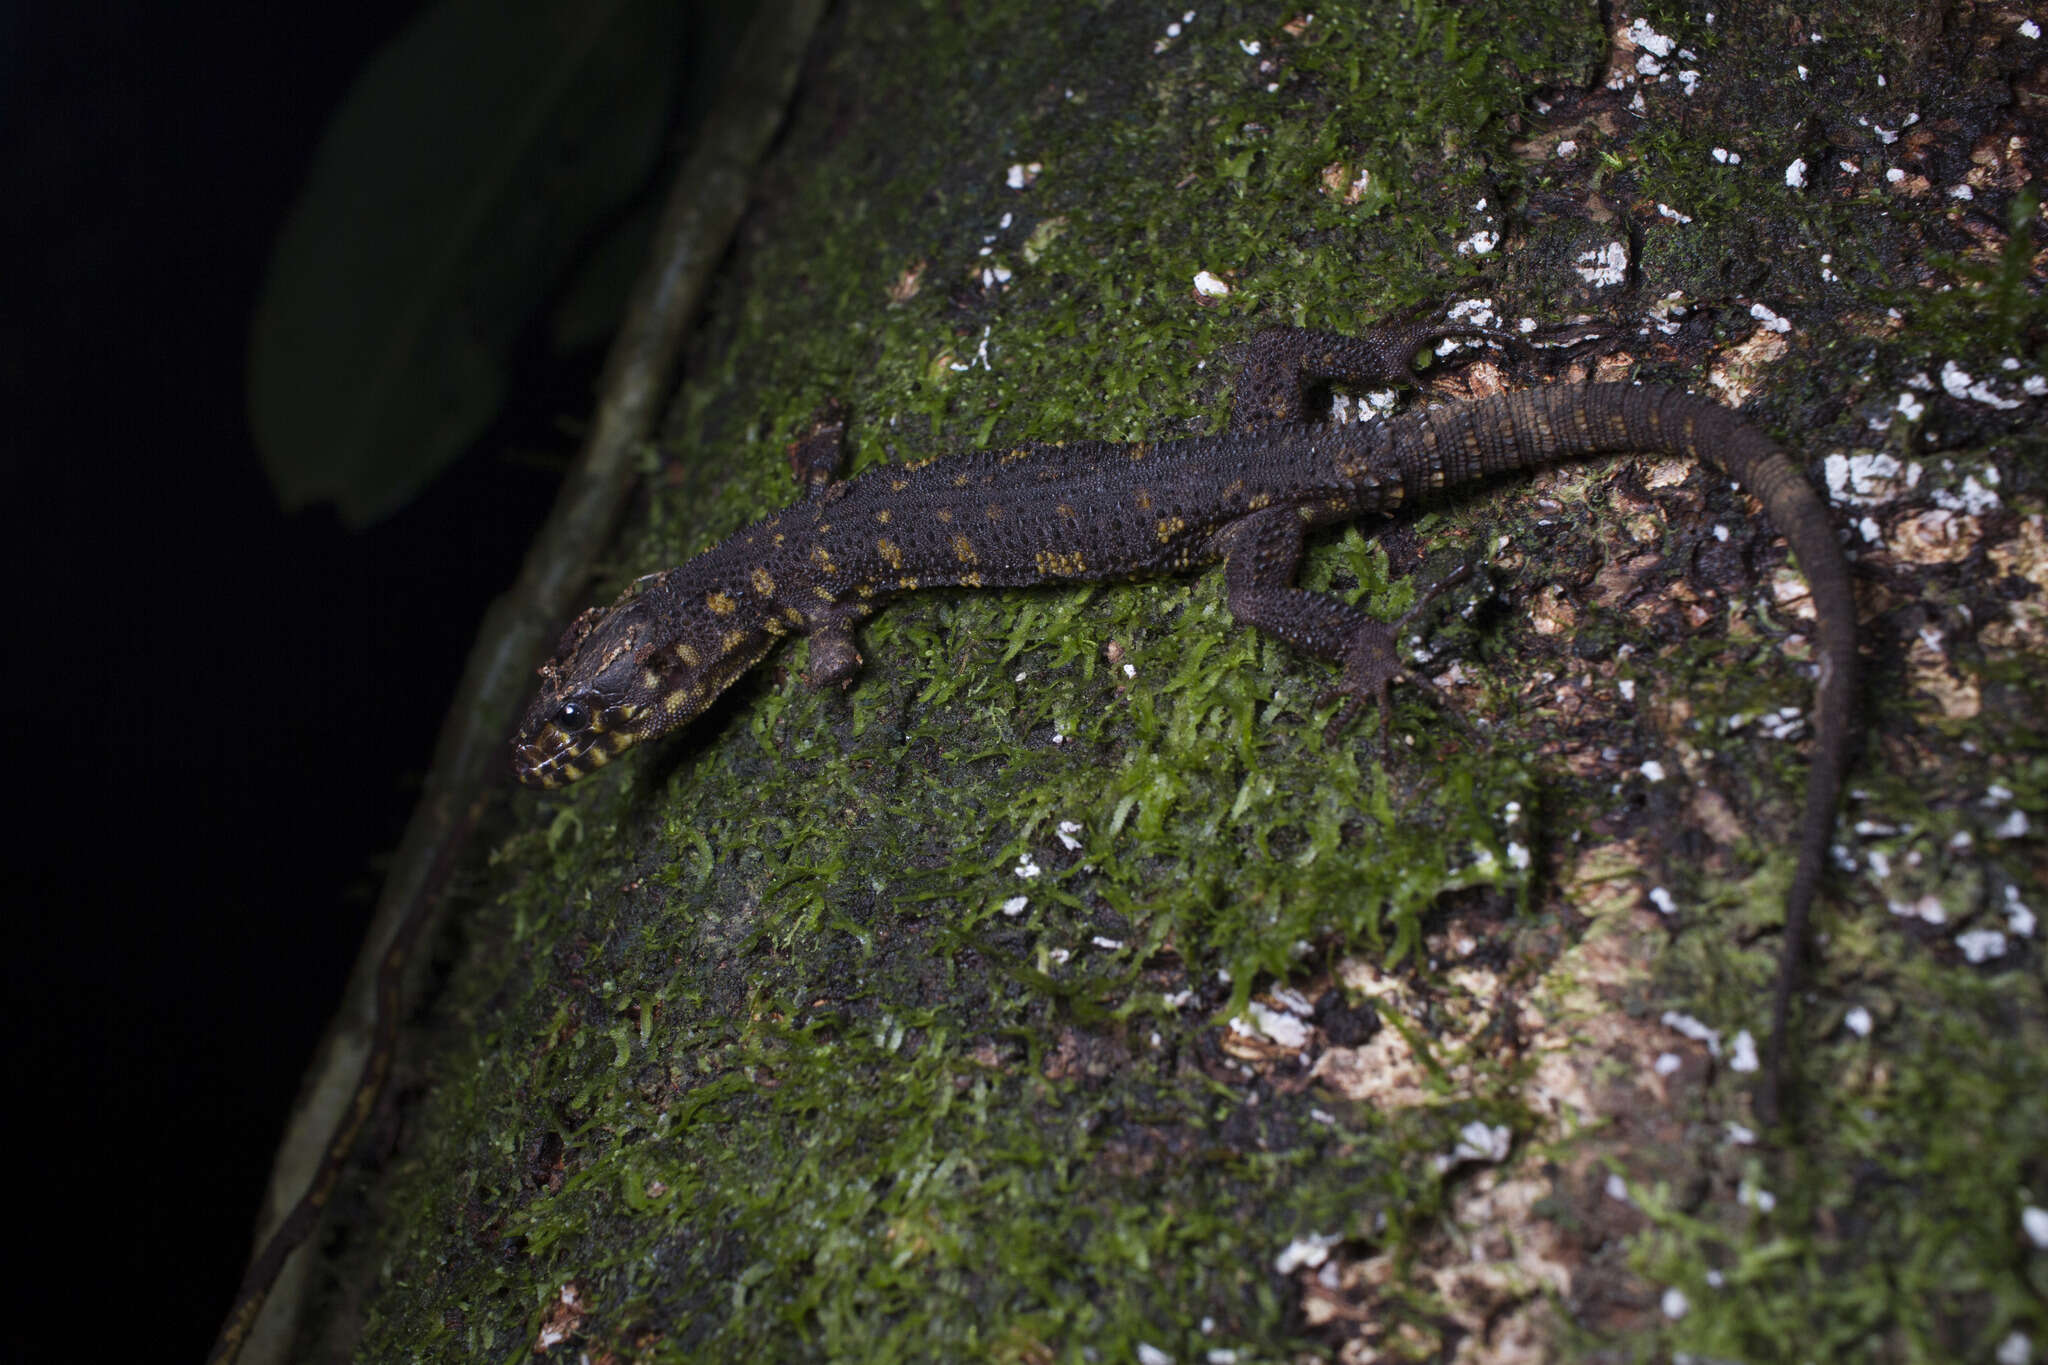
x: 898, y: 1022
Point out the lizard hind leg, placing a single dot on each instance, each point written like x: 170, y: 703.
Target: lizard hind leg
x: 1284, y: 364
x: 1261, y: 553
x: 1372, y: 666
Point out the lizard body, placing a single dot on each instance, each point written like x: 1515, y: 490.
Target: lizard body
x: 1091, y: 510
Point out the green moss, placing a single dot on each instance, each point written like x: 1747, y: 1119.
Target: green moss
x: 751, y: 1039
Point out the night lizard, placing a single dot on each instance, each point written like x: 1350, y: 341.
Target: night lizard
x: 1081, y: 511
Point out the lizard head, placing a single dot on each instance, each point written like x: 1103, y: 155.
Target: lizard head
x: 600, y: 695
x: 652, y: 660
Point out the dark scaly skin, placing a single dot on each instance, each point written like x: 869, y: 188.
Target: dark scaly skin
x: 1082, y: 511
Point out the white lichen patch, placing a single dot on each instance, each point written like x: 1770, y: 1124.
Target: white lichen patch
x: 1603, y: 267
x: 1959, y: 383
x: 1975, y: 497
x: 1980, y: 945
x: 1174, y: 29
x: 1868, y: 478
x: 1279, y: 1025
x: 1309, y: 1251
x: 1742, y: 1052
x: 1685, y: 1026
x: 2019, y: 918
x: 1478, y: 1142
x: 1770, y: 321
x: 1927, y: 909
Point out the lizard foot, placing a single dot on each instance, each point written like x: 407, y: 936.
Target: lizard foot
x: 834, y: 656
x: 1372, y: 666
x: 816, y: 457
x: 1416, y: 335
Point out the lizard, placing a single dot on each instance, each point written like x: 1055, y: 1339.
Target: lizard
x: 1087, y: 510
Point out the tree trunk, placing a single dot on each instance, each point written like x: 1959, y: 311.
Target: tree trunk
x: 1056, y: 992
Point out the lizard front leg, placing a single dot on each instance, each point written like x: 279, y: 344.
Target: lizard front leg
x: 818, y: 457
x: 835, y: 657
x: 816, y: 460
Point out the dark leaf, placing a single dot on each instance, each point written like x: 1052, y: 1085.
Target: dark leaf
x: 472, y: 160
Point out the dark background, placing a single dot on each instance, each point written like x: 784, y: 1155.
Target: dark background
x: 219, y: 713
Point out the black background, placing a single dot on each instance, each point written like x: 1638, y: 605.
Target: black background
x: 219, y: 714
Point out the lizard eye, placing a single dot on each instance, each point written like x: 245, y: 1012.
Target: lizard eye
x: 573, y: 716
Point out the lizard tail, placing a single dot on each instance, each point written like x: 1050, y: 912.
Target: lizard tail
x: 1547, y: 425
